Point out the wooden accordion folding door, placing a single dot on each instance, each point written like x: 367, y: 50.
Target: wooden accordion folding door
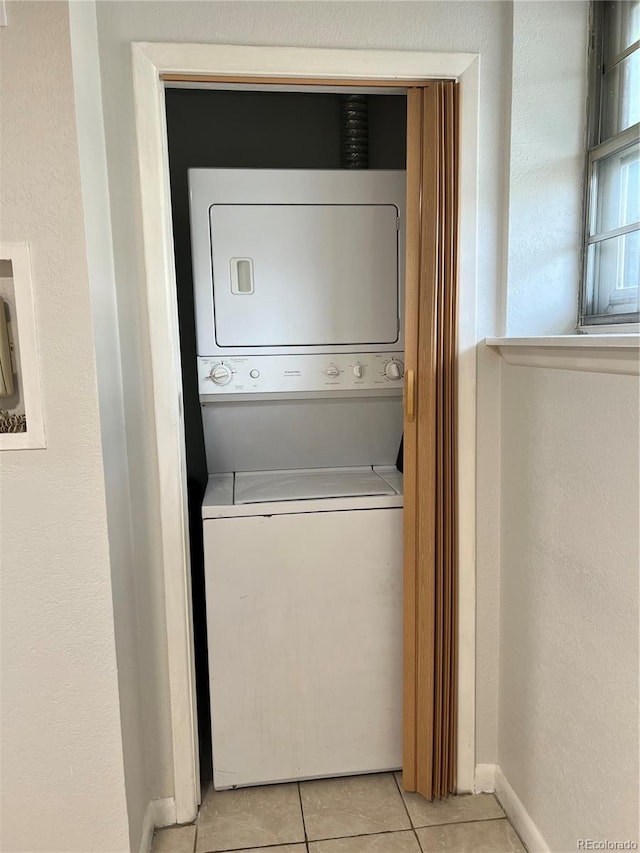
x: 430, y: 468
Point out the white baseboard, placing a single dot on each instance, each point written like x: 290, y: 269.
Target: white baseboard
x: 164, y: 811
x: 148, y: 827
x: 520, y: 818
x: 158, y: 813
x: 485, y: 779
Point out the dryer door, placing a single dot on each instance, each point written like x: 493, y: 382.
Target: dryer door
x: 305, y: 275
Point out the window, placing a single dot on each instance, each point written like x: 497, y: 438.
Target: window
x: 612, y: 251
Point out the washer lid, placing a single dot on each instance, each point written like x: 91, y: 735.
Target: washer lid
x: 307, y: 484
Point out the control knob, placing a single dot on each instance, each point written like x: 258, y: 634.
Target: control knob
x: 332, y: 370
x: 358, y: 371
x: 394, y: 370
x: 220, y: 374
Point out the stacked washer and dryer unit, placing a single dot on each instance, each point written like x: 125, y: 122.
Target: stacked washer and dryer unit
x: 298, y: 279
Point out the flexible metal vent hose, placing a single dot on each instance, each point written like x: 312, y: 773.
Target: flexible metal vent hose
x: 354, y: 127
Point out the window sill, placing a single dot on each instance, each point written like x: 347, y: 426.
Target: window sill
x: 588, y: 353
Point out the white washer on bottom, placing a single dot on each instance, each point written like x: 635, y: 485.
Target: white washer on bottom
x: 304, y: 618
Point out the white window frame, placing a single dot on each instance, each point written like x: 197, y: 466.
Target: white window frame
x: 598, y: 149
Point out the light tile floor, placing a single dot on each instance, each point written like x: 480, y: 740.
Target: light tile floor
x: 354, y: 814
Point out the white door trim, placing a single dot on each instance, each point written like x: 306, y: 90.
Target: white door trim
x: 150, y: 60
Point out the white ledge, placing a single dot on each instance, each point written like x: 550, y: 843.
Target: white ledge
x: 588, y: 353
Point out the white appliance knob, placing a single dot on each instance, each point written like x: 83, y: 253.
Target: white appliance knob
x: 358, y: 371
x: 220, y: 374
x: 254, y: 373
x: 394, y: 370
x: 332, y: 370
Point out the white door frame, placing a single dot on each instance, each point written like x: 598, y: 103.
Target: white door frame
x: 150, y: 61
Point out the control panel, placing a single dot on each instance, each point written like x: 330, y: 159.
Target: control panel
x: 300, y: 373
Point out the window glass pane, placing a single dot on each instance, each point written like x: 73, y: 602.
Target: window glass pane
x: 621, y: 96
x: 612, y: 263
x: 621, y: 27
x: 614, y: 271
x: 617, y: 185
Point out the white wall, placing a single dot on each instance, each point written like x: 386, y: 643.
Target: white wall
x: 545, y: 121
x: 99, y: 248
x: 469, y: 27
x: 568, y: 725
x: 62, y: 762
x: 568, y: 682
x: 547, y: 163
x: 568, y: 501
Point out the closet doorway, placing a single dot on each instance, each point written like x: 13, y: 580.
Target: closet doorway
x: 437, y: 717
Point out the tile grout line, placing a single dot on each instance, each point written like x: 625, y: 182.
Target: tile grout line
x: 413, y: 829
x: 260, y: 847
x: 357, y: 835
x: 404, y: 803
x: 457, y: 822
x: 304, y: 823
x: 196, y: 822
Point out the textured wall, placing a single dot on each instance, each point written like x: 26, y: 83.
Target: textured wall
x: 106, y: 334
x: 545, y: 124
x: 568, y: 727
x: 62, y: 771
x: 450, y: 26
x: 548, y: 143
